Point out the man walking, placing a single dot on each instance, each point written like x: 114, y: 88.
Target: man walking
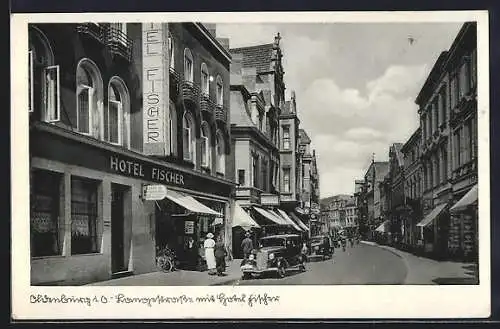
x: 247, y: 245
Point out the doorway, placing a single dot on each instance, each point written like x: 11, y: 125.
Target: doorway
x: 118, y: 228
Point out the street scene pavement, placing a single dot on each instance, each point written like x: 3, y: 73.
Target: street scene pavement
x: 365, y: 263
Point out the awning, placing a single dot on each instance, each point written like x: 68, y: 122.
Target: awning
x: 468, y: 199
x: 432, y: 215
x: 190, y: 203
x: 384, y: 227
x: 298, y: 221
x: 242, y: 218
x: 270, y: 216
x: 283, y: 215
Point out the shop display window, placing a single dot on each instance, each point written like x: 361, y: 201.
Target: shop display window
x: 84, y: 216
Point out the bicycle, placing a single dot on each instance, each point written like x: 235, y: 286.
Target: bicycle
x: 165, y: 259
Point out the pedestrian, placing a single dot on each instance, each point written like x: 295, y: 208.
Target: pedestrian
x: 209, y: 246
x: 247, y: 245
x: 192, y: 253
x: 220, y: 256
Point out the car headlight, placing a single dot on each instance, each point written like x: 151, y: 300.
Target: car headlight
x: 316, y: 248
x: 251, y: 257
x: 271, y: 256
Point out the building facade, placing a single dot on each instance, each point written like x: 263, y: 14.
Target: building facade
x: 413, y: 186
x: 114, y: 127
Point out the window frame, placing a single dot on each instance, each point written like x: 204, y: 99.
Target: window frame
x: 191, y: 149
x: 171, y: 52
x: 57, y: 104
x: 119, y: 122
x: 205, y: 88
x: 91, y: 216
x: 286, y: 180
x: 205, y: 138
x: 220, y: 153
x: 286, y: 137
x: 219, y: 94
x: 188, y: 57
x: 91, y: 93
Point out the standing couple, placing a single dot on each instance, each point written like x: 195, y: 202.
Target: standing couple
x: 215, y: 255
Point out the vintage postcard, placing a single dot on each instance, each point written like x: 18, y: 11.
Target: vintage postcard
x: 250, y: 165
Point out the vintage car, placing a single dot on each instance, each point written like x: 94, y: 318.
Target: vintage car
x: 276, y: 254
x: 321, y: 246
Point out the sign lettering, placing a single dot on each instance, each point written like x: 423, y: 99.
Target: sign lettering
x: 155, y: 88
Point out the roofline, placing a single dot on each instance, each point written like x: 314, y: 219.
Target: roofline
x: 254, y: 46
x: 214, y: 41
x: 410, y: 140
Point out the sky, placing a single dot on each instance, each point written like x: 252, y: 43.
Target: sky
x: 355, y: 85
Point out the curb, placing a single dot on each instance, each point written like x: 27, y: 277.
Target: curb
x: 391, y: 250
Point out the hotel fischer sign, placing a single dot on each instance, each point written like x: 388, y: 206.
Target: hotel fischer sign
x: 146, y: 171
x: 155, y: 64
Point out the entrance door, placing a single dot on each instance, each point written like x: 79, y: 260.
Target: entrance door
x: 117, y: 229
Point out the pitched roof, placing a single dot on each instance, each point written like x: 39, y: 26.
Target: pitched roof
x: 259, y: 56
x: 304, y: 138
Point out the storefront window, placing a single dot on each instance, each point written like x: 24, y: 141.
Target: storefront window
x: 45, y: 214
x: 84, y: 236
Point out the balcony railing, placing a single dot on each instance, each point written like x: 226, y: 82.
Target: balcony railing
x: 221, y: 113
x: 190, y: 91
x: 206, y: 104
x: 465, y: 169
x: 96, y: 31
x: 119, y: 43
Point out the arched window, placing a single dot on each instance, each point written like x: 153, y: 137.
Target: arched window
x: 43, y: 75
x: 173, y: 129
x: 220, y: 91
x: 188, y: 65
x: 117, y: 118
x: 220, y: 153
x: 171, y: 48
x: 89, y: 98
x: 205, y: 145
x: 188, y: 137
x: 204, y: 79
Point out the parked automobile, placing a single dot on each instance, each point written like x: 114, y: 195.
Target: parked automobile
x: 321, y: 246
x: 276, y: 254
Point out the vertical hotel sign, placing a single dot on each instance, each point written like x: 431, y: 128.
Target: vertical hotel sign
x: 155, y: 96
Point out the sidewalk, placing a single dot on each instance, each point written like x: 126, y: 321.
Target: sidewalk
x: 423, y: 270
x: 177, y: 278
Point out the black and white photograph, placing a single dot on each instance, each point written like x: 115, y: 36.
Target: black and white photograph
x: 222, y: 154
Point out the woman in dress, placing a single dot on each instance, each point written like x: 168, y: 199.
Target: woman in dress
x: 209, y: 246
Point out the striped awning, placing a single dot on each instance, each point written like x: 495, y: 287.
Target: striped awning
x: 273, y: 218
x: 189, y: 203
x: 432, y: 215
x: 467, y: 200
x: 283, y: 215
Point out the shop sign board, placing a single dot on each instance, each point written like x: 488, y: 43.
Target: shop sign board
x: 154, y: 192
x: 189, y: 227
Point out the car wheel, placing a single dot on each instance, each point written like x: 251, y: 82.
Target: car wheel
x: 281, y: 271
x: 245, y: 276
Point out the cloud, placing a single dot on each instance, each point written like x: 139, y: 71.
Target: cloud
x: 350, y: 126
x: 355, y: 91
